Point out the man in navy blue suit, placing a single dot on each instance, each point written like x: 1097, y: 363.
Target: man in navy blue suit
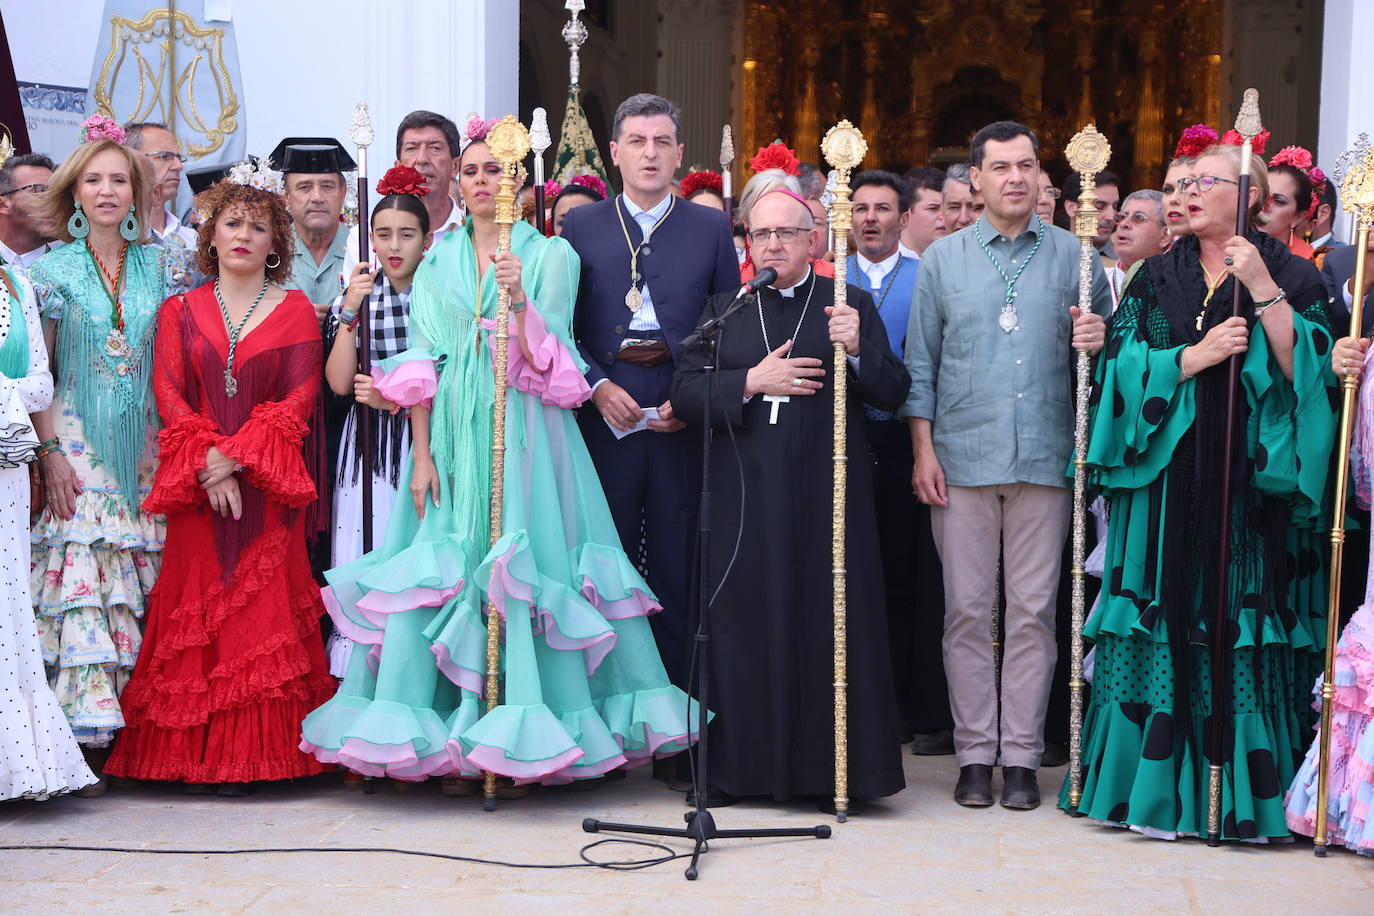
x: 649, y: 263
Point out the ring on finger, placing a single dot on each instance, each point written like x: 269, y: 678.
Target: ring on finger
x: 1230, y: 260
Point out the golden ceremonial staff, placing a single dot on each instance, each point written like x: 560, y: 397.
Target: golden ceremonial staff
x: 1087, y: 153
x: 1357, y: 197
x: 509, y: 143
x: 844, y: 148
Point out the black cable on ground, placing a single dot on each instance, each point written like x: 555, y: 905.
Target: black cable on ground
x: 585, y: 853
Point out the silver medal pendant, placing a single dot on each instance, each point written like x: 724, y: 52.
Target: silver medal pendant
x: 231, y: 384
x: 117, y: 345
x: 634, y: 299
x: 1008, y: 320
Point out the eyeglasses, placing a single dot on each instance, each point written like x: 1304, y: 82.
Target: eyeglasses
x: 1051, y: 193
x: 166, y: 156
x: 786, y: 234
x: 1139, y: 219
x: 35, y: 188
x: 1204, y: 183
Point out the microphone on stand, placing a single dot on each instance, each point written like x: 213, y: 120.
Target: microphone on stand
x: 708, y: 328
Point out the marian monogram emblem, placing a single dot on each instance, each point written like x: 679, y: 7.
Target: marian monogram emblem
x: 165, y: 67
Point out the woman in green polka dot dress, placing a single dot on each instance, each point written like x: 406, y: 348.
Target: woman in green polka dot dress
x: 1156, y: 449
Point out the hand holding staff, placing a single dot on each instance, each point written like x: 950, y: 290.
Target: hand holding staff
x: 1357, y: 195
x: 844, y: 148
x: 509, y: 143
x: 1088, y: 153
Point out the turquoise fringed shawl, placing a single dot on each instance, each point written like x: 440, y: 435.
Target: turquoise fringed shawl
x: 112, y: 394
x: 14, y: 349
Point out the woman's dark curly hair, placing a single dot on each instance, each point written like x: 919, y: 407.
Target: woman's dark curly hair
x: 225, y: 195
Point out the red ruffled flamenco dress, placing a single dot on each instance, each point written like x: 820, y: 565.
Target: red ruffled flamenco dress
x: 232, y: 660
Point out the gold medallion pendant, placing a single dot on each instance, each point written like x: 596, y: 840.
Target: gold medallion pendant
x: 634, y: 299
x: 117, y: 345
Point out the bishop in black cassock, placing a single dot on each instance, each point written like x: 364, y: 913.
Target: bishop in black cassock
x: 771, y: 623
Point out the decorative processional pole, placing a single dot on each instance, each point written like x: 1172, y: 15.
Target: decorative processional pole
x: 509, y: 143
x: 1088, y: 153
x: 844, y: 148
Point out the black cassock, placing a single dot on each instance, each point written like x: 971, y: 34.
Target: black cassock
x: 772, y: 622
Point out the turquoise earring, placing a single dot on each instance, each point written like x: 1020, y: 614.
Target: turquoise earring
x: 128, y: 230
x: 78, y: 226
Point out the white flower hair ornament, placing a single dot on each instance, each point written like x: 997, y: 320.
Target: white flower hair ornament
x: 258, y: 175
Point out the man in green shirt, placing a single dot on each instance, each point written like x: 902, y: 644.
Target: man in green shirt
x: 990, y: 348
x: 312, y: 170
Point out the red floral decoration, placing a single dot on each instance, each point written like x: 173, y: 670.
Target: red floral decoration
x: 1295, y: 156
x: 775, y: 156
x: 703, y: 180
x: 590, y: 182
x: 552, y: 189
x: 402, y: 179
x: 1194, y: 140
x: 1233, y: 138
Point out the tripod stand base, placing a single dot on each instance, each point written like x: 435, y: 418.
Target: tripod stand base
x: 701, y: 827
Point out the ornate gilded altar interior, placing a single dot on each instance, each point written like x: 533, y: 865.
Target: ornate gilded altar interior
x: 920, y: 77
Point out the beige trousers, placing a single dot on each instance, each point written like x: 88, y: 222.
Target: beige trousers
x: 1032, y: 523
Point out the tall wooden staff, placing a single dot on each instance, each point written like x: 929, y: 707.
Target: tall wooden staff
x: 1087, y: 153
x: 360, y: 132
x: 1248, y: 126
x: 540, y: 141
x: 844, y: 148
x: 1357, y: 198
x: 509, y: 143
x: 727, y: 156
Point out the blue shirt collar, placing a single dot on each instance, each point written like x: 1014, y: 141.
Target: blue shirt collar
x: 655, y: 212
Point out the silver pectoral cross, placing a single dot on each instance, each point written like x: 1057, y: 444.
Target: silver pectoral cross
x: 777, y: 400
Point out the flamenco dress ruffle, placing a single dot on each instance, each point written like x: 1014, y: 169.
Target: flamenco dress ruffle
x: 584, y: 691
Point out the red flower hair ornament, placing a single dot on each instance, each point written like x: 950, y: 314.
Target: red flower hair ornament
x: 776, y: 155
x: 1194, y: 140
x: 402, y: 179
x: 1233, y: 138
x: 703, y: 180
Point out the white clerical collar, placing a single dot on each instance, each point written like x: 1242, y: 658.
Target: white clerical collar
x: 906, y: 252
x: 655, y: 212
x: 880, y: 267
x: 788, y: 292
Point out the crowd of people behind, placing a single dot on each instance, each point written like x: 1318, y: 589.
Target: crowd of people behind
x: 180, y: 468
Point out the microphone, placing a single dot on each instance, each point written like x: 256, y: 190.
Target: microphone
x: 709, y: 327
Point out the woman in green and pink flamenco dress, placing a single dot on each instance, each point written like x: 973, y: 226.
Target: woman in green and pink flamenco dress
x: 584, y: 690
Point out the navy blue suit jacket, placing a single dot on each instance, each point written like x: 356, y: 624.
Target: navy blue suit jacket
x: 1337, y: 269
x: 692, y: 258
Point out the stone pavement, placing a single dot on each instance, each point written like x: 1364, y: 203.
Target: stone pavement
x: 918, y: 852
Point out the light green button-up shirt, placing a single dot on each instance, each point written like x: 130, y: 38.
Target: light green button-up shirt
x: 1000, y: 404
x: 321, y: 282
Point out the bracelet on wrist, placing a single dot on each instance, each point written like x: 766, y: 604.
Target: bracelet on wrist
x: 348, y: 319
x: 50, y: 447
x: 1261, y: 306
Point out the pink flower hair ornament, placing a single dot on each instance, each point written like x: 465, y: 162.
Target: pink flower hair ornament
x: 98, y: 127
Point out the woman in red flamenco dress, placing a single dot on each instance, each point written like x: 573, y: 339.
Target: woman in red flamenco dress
x: 232, y: 658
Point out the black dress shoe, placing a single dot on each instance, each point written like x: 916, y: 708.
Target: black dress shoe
x: 1055, y: 755
x: 974, y: 789
x: 933, y: 744
x: 1020, y: 790
x: 715, y: 798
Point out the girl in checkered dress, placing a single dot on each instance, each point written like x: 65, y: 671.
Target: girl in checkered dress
x: 400, y: 235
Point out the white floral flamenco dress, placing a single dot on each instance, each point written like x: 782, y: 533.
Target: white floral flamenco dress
x: 91, y: 574
x: 39, y: 757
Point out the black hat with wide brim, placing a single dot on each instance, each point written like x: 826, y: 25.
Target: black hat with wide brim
x: 311, y: 155
x: 202, y: 178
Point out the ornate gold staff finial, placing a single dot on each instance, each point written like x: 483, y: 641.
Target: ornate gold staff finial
x: 6, y: 144
x: 1357, y: 199
x: 1088, y: 153
x: 844, y: 148
x: 1248, y: 118
x: 509, y: 143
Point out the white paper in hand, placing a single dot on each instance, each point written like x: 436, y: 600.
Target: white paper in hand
x: 650, y: 413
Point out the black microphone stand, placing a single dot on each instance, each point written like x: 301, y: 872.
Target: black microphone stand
x: 701, y: 826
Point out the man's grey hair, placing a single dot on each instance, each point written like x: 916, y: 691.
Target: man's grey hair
x: 811, y: 179
x: 646, y: 104
x: 38, y: 160
x: 1153, y: 196
x: 133, y: 132
x: 959, y: 172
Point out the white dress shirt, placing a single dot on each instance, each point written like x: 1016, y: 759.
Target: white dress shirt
x: 646, y: 319
x: 24, y: 259
x: 174, y: 232
x: 877, y: 271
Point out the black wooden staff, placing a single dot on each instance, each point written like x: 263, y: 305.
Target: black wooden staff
x: 361, y: 134
x: 1248, y: 126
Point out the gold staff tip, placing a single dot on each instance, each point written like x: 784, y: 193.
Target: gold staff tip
x: 508, y: 141
x: 844, y: 146
x: 1088, y: 152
